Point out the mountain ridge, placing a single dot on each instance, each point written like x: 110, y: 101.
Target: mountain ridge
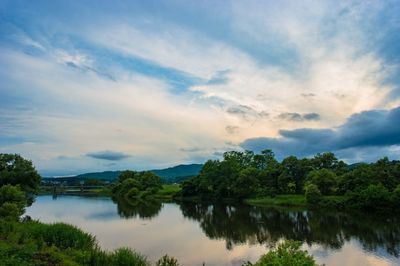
x: 170, y: 174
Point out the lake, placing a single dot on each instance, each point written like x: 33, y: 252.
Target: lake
x: 225, y: 234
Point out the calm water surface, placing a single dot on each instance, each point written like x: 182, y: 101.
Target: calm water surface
x: 225, y: 235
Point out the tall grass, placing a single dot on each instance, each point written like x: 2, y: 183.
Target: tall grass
x: 35, y: 243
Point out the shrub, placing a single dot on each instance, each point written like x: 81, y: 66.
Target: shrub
x: 287, y: 253
x: 374, y: 197
x: 128, y: 257
x: 312, y: 193
x: 324, y: 179
x: 396, y: 196
x: 167, y: 261
x: 10, y: 211
x: 61, y: 235
x: 12, y: 202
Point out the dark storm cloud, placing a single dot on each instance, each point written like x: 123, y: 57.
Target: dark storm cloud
x: 108, y: 155
x: 375, y: 128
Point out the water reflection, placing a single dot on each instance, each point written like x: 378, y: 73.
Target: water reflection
x: 250, y: 224
x: 144, y: 209
x: 225, y: 234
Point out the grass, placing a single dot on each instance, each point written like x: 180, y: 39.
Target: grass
x: 100, y: 191
x: 168, y: 191
x: 338, y: 202
x: 35, y: 243
x: 279, y: 200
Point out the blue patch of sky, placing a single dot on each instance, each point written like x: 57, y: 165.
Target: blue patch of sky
x: 383, y: 38
x: 209, y: 19
x: 11, y: 140
x: 179, y: 81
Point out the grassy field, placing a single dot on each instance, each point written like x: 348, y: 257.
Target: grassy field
x: 280, y: 200
x: 168, y: 191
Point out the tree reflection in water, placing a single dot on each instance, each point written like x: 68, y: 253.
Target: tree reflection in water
x: 239, y: 224
x: 144, y: 209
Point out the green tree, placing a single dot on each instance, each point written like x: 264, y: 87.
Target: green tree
x: 133, y: 184
x: 396, y: 196
x: 373, y: 197
x: 12, y: 202
x: 312, y: 193
x: 329, y: 161
x: 15, y: 170
x: 246, y: 183
x: 324, y: 179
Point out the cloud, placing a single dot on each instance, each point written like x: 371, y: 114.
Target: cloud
x: 231, y: 129
x: 219, y: 78
x: 243, y: 111
x: 311, y: 116
x: 108, y: 155
x: 147, y: 79
x: 296, y: 117
x: 191, y: 149
x: 308, y: 95
x: 374, y: 128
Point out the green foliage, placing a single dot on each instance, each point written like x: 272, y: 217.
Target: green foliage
x: 287, y: 253
x: 12, y: 202
x: 60, y: 235
x: 167, y: 261
x: 128, y: 257
x: 324, y: 179
x: 279, y: 200
x: 244, y: 175
x: 328, y: 161
x: 15, y: 170
x: 34, y: 243
x: 396, y: 196
x: 373, y: 197
x: 133, y: 185
x: 312, y: 193
x: 94, y: 182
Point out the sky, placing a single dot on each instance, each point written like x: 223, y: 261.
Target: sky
x: 106, y: 85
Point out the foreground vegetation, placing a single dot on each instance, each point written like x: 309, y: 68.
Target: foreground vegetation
x: 286, y: 254
x: 321, y: 181
x: 34, y: 243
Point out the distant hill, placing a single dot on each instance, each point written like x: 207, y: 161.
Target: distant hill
x: 170, y: 175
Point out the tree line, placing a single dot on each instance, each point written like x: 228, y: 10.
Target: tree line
x: 241, y: 175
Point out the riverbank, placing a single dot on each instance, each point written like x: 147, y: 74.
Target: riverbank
x: 36, y: 243
x: 167, y: 192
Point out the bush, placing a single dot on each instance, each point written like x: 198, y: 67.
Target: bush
x: 287, y: 253
x: 12, y: 202
x: 167, y: 261
x: 396, y: 196
x: 312, y: 193
x: 128, y: 257
x: 374, y: 197
x: 324, y: 179
x: 10, y: 211
x: 61, y: 235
